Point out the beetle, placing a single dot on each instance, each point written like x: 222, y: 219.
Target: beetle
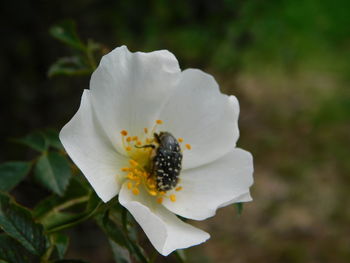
x: 166, y: 161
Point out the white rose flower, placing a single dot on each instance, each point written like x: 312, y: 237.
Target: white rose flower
x: 114, y: 140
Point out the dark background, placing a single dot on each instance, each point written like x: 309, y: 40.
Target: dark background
x: 286, y: 61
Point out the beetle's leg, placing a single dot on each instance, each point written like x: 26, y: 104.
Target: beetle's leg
x: 146, y: 146
x: 157, y: 137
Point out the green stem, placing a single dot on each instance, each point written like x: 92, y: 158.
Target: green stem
x: 45, y: 258
x: 66, y: 205
x: 90, y: 56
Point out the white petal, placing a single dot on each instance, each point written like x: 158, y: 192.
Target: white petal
x: 129, y: 89
x: 204, y: 117
x: 91, y: 151
x: 243, y: 198
x: 213, y: 185
x: 165, y: 231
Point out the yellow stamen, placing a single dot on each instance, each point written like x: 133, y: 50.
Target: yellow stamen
x: 152, y: 192
x: 130, y: 176
x: 179, y: 188
x: 150, y: 183
x: 138, y: 181
x: 133, y: 162
x: 129, y: 185
x: 138, y: 172
x: 172, y: 198
x: 135, y: 191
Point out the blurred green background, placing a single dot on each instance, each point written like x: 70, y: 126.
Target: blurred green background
x: 288, y: 62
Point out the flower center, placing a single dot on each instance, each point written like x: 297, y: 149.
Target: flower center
x: 145, y: 168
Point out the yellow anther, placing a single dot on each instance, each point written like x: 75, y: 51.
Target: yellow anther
x: 135, y: 191
x: 148, y: 140
x: 150, y: 183
x: 130, y: 176
x: 138, y: 181
x: 135, y: 138
x: 180, y: 140
x: 188, y: 146
x: 159, y: 122
x: 152, y: 192
x: 160, y: 200
x: 128, y: 148
x: 172, y: 198
x: 129, y: 185
x: 125, y: 169
x: 128, y: 139
x: 133, y: 162
x: 138, y: 143
x: 145, y: 130
x: 124, y: 132
x: 179, y: 188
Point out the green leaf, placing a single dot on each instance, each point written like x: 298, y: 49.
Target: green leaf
x: 76, y: 194
x: 69, y: 66
x: 12, y: 251
x: 239, y: 208
x: 52, y: 138
x: 120, y: 254
x: 35, y: 140
x: 114, y: 231
x: 11, y: 173
x: 19, y: 224
x: 70, y: 261
x: 62, y: 220
x: 61, y: 241
x: 116, y: 234
x: 66, y: 32
x: 180, y: 255
x: 53, y: 171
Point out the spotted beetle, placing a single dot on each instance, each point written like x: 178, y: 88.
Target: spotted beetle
x: 166, y: 161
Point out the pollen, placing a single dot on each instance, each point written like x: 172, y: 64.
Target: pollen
x: 179, y: 188
x: 153, y: 192
x: 135, y: 191
x: 130, y: 176
x: 160, y: 200
x: 140, y: 174
x: 188, y: 146
x: 129, y: 185
x: 172, y: 198
x: 133, y: 162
